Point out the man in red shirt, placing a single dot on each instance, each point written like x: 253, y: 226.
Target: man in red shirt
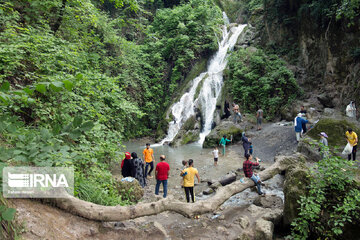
x: 247, y: 167
x: 162, y: 173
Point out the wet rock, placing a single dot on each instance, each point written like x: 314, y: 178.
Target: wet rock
x: 208, y: 191
x: 227, y: 179
x: 263, y: 229
x: 269, y: 201
x: 227, y: 128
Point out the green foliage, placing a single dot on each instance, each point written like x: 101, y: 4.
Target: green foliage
x: 260, y: 80
x: 333, y: 200
x: 75, y: 81
x: 184, y: 34
x: 9, y: 229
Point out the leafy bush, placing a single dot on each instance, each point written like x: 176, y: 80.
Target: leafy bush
x: 259, y: 80
x: 333, y: 200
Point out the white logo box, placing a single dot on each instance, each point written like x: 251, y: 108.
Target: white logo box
x: 38, y: 182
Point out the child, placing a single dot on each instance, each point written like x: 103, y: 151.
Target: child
x: 182, y: 174
x: 215, y: 153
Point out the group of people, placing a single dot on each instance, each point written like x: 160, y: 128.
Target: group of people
x: 132, y: 166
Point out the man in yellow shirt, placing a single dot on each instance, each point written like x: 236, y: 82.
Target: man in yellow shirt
x: 352, y: 138
x: 149, y: 159
x: 189, y: 181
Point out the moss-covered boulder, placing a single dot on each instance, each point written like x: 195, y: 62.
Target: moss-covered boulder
x: 335, y: 129
x: 296, y: 180
x: 162, y: 129
x: 227, y: 128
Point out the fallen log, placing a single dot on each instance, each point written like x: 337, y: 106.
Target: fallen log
x: 120, y: 213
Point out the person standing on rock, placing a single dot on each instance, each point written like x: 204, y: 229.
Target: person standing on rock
x: 247, y: 167
x: 352, y: 139
x: 304, y: 116
x: 138, y: 170
x: 189, y: 180
x: 215, y: 153
x: 351, y: 110
x: 223, y: 142
x: 149, y: 159
x: 259, y: 117
x: 237, y: 113
x: 246, y: 144
x: 162, y: 174
x: 298, y: 122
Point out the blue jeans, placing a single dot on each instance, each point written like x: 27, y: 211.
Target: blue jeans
x: 151, y: 168
x: 157, y: 187
x: 256, y: 180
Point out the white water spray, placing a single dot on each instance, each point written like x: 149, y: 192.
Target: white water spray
x: 211, y: 87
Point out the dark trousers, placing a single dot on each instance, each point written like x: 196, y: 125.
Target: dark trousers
x: 189, y: 191
x: 151, y: 168
x: 303, y: 125
x: 353, y: 153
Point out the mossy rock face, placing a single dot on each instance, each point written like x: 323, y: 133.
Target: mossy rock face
x: 296, y: 180
x: 335, y: 129
x: 189, y: 124
x: 227, y: 128
x: 190, y: 137
x: 131, y: 190
x: 162, y: 129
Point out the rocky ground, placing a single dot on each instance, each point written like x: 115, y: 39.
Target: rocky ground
x: 230, y: 221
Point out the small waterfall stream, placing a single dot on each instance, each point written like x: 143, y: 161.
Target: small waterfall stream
x: 212, y: 81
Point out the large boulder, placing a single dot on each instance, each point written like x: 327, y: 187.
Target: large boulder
x: 227, y: 128
x: 335, y: 129
x: 296, y: 180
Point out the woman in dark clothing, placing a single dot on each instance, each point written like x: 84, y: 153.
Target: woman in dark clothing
x: 138, y: 169
x: 127, y: 167
x: 246, y: 144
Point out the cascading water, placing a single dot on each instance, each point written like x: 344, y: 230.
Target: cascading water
x: 212, y: 81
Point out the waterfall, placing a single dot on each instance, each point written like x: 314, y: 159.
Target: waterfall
x: 212, y: 81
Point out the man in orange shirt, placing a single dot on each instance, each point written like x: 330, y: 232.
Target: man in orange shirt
x: 149, y: 159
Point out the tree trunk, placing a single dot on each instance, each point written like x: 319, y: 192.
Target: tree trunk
x: 120, y: 213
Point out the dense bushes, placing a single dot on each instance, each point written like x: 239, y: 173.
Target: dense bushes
x: 332, y: 202
x: 75, y: 81
x: 259, y: 80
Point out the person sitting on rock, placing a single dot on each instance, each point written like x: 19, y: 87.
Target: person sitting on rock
x: 247, y: 167
x: 237, y: 113
x: 351, y: 110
